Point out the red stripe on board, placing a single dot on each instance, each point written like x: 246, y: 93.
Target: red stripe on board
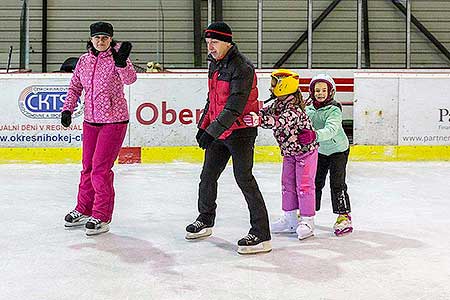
x: 130, y: 155
x: 336, y: 80
x: 343, y: 80
x: 304, y: 89
x: 344, y: 88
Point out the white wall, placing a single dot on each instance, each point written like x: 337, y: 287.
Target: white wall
x: 407, y: 108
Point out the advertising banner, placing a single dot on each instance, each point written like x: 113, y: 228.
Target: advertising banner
x: 166, y: 111
x: 424, y: 110
x: 402, y: 108
x: 164, y: 108
x: 31, y: 106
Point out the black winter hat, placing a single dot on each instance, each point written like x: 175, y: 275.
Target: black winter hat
x: 102, y: 28
x: 219, y: 31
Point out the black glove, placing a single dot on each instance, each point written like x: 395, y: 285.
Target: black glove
x: 120, y: 57
x: 199, y: 134
x: 66, y: 118
x: 205, y: 140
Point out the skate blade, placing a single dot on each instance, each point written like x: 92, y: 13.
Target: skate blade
x: 102, y: 229
x: 301, y: 238
x: 260, y: 248
x: 344, y: 232
x: 68, y: 225
x: 196, y: 235
x: 286, y: 231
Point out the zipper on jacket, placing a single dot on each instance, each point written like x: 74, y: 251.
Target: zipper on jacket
x: 214, y: 91
x: 92, y: 87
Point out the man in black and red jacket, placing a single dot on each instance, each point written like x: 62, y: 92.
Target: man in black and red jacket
x: 223, y: 134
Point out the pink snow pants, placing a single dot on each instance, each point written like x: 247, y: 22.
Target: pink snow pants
x: 101, y: 146
x: 297, y: 181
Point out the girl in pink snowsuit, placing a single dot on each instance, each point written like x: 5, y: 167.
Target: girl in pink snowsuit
x: 287, y: 118
x: 101, y: 73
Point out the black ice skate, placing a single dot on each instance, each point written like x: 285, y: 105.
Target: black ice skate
x: 75, y: 218
x: 197, y: 230
x: 251, y: 244
x: 95, y: 226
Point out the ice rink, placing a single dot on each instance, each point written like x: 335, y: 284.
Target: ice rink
x: 400, y: 248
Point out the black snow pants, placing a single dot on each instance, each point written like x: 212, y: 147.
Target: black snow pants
x: 217, y: 155
x: 336, y: 163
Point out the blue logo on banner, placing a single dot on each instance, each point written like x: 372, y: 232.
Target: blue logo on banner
x: 44, y: 102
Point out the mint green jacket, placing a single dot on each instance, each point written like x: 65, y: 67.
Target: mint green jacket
x: 327, y: 122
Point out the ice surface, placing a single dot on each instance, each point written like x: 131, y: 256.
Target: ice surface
x: 399, y: 250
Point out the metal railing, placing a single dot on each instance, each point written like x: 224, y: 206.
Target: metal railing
x: 215, y: 13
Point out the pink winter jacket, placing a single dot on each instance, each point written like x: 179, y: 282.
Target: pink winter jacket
x: 102, y: 81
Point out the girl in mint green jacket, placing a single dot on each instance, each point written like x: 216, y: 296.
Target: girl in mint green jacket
x: 326, y: 116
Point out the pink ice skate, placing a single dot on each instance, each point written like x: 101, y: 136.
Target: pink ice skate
x: 343, y: 225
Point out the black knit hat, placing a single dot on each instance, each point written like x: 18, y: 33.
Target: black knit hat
x: 219, y: 31
x: 102, y: 28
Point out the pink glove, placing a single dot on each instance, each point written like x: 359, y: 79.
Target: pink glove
x: 307, y: 136
x: 252, y: 120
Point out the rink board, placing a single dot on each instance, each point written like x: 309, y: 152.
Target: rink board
x: 402, y: 108
x: 165, y: 109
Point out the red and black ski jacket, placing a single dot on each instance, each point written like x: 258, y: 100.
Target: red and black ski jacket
x: 232, y: 94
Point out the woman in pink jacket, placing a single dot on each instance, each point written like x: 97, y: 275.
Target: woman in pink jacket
x: 101, y: 73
